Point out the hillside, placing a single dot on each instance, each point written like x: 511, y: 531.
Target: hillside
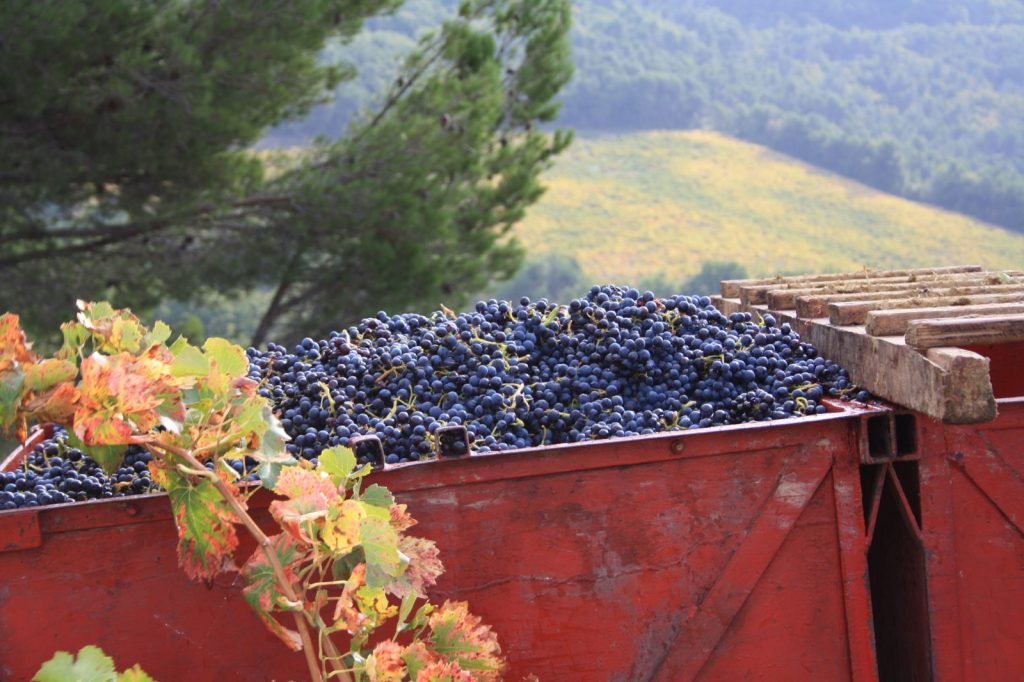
x: 632, y: 206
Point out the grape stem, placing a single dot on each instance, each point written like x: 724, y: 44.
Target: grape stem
x: 263, y: 541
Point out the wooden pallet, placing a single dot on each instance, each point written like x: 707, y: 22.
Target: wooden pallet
x: 900, y: 332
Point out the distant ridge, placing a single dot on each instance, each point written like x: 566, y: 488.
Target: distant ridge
x: 634, y: 205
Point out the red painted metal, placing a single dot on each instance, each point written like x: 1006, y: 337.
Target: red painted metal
x: 729, y: 553
x: 972, y: 481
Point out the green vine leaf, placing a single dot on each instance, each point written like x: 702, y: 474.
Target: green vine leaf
x: 380, y: 544
x: 90, y: 665
x: 338, y: 462
x: 206, y: 531
x: 229, y: 358
x: 378, y: 496
x: 46, y: 374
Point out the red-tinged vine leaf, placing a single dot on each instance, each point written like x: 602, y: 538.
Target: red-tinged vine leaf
x: 56, y: 405
x: 445, y: 671
x: 295, y: 515
x: 458, y: 635
x: 121, y: 395
x: 46, y: 374
x: 262, y: 590
x: 373, y: 603
x: 422, y: 570
x: 206, y: 531
x: 14, y: 347
x: 417, y: 657
x: 297, y: 481
x: 342, y: 530
x: 385, y: 663
x: 113, y: 331
x: 401, y: 520
x: 345, y: 610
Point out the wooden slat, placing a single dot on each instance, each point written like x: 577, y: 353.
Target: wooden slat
x: 856, y: 312
x: 964, y: 332
x: 730, y: 288
x: 817, y: 306
x: 785, y: 299
x: 759, y: 293
x: 892, y: 322
x: 950, y: 384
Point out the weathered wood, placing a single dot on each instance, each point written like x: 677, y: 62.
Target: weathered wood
x: 965, y: 331
x: 762, y: 293
x: 817, y: 306
x: 785, y: 299
x: 893, y: 322
x: 950, y: 384
x: 856, y: 312
x: 730, y: 288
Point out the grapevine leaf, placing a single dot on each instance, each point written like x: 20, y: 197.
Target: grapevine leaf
x: 90, y: 665
x: 385, y: 663
x: 126, y: 334
x: 373, y: 604
x: 75, y: 336
x: 262, y: 590
x: 445, y: 671
x: 230, y: 358
x: 457, y: 635
x: 48, y: 373
x: 158, y: 335
x: 342, y: 530
x: 109, y: 457
x: 342, y: 568
x: 338, y: 462
x: 12, y: 381
x: 380, y: 543
x: 134, y: 674
x: 189, y: 361
x: 56, y: 405
x: 206, y: 531
x: 400, y: 518
x: 417, y: 657
x: 423, y: 569
x: 378, y: 496
x: 13, y: 346
x: 294, y: 514
x: 296, y: 481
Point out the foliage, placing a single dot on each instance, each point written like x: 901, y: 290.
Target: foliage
x: 90, y: 665
x: 342, y: 550
x: 125, y: 143
x: 626, y: 207
x: 920, y: 99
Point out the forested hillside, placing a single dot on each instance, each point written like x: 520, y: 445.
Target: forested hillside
x: 921, y: 99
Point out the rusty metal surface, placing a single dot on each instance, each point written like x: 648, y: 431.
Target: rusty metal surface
x: 728, y: 553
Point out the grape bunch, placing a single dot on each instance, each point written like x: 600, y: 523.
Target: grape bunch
x: 615, y: 363
x: 53, y: 472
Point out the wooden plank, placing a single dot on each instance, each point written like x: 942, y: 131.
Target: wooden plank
x: 856, y: 312
x: 762, y: 293
x: 730, y: 288
x: 967, y: 331
x: 948, y: 384
x: 785, y: 299
x: 817, y: 306
x: 894, y: 322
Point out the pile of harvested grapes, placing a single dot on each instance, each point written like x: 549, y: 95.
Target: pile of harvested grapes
x: 614, y: 363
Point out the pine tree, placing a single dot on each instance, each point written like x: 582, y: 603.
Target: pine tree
x: 125, y: 134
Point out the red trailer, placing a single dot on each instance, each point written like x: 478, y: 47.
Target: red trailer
x: 946, y: 343
x: 730, y: 553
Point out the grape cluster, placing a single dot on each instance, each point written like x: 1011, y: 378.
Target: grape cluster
x: 53, y: 472
x: 614, y: 363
